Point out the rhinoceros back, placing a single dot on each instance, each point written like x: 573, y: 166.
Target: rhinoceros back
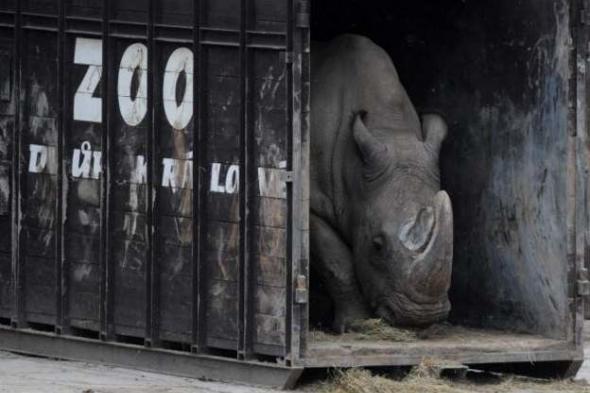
x: 349, y: 74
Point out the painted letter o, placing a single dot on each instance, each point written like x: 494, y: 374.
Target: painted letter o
x: 178, y: 116
x: 135, y: 59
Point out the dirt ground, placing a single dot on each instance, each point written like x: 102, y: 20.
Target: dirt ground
x: 21, y: 374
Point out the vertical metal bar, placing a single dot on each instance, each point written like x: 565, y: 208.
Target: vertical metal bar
x: 571, y: 188
x: 199, y: 211
x: 152, y: 270
x: 298, y: 100
x: 579, y: 35
x: 195, y: 347
x: 106, y: 265
x: 244, y: 292
x: 291, y: 247
x: 61, y: 268
x: 304, y: 46
x: 585, y: 152
x: 304, y: 173
x: 17, y: 265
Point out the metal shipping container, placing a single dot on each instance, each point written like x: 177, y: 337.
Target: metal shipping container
x: 154, y: 163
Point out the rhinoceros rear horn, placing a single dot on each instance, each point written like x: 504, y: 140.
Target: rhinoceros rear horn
x: 435, y: 129
x: 373, y: 152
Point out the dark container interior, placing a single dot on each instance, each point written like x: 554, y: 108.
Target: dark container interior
x: 499, y: 73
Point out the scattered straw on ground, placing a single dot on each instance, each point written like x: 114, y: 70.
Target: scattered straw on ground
x: 362, y: 381
x: 424, y: 379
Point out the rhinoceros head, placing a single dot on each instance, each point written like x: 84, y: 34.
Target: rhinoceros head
x: 403, y: 223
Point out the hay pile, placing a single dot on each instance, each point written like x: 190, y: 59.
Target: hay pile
x: 377, y: 329
x: 424, y: 379
x: 369, y: 329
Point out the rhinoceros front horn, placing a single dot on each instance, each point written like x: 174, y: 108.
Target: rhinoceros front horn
x: 373, y: 152
x: 431, y: 270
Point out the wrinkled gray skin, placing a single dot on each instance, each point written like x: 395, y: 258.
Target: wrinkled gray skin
x: 381, y: 229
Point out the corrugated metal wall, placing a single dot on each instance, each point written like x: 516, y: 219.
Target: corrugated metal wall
x: 145, y: 151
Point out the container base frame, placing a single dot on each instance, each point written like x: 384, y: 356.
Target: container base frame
x: 468, y: 346
x: 50, y: 345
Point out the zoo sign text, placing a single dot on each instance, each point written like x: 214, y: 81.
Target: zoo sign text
x: 132, y: 88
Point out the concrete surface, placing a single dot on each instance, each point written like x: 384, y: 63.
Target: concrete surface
x: 21, y: 374
x: 584, y: 373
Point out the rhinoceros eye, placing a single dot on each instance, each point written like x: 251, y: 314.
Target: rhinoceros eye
x: 378, y: 243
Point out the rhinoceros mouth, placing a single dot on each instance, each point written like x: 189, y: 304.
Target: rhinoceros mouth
x: 400, y: 310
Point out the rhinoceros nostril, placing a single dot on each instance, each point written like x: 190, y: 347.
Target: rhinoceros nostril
x: 416, y: 234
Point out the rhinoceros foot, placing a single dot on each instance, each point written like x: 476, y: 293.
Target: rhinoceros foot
x: 345, y: 316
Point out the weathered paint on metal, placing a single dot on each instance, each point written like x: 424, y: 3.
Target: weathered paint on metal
x: 115, y: 190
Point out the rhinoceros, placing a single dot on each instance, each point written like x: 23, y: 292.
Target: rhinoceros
x: 381, y: 229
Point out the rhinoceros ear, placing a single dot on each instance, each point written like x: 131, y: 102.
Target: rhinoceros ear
x: 435, y: 129
x: 373, y: 152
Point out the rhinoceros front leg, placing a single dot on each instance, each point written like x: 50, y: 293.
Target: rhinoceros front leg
x: 332, y: 259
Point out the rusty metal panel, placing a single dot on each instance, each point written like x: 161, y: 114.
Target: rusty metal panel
x: 39, y: 175
x: 49, y: 7
x: 129, y: 188
x: 84, y: 8
x: 222, y: 128
x: 271, y: 206
x: 174, y: 189
x: 147, y: 202
x: 7, y: 119
x: 83, y: 146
